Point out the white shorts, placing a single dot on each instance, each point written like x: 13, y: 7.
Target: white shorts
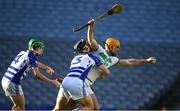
x: 90, y: 91
x: 75, y: 87
x: 10, y: 88
x: 63, y: 94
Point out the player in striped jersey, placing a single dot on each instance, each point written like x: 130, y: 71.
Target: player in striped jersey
x: 74, y: 83
x: 18, y: 69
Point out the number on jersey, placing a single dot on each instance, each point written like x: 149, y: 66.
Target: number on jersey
x: 17, y: 58
x: 78, y: 60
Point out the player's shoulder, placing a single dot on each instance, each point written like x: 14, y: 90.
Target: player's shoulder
x: 25, y: 52
x: 22, y: 52
x: 113, y: 57
x: 100, y: 48
x: 30, y: 54
x: 92, y: 56
x: 81, y: 55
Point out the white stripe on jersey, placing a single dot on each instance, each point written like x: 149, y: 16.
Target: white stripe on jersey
x: 20, y: 66
x: 9, y: 69
x: 76, y: 73
x: 9, y: 75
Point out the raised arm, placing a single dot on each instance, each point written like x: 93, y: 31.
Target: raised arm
x: 136, y: 62
x: 90, y: 35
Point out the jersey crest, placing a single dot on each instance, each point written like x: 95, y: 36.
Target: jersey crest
x: 106, y: 59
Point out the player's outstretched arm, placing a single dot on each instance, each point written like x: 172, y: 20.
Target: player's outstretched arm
x: 90, y: 35
x: 48, y: 69
x: 42, y: 77
x: 136, y: 62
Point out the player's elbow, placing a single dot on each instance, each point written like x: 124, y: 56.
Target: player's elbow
x: 38, y: 75
x: 91, y: 42
x: 106, y: 72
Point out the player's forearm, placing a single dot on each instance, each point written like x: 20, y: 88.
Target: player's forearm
x: 40, y: 76
x: 90, y: 34
x: 138, y: 62
x: 43, y: 66
x: 43, y: 78
x: 91, y: 40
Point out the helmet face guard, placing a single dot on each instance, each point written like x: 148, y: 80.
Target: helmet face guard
x: 34, y: 43
x: 79, y: 46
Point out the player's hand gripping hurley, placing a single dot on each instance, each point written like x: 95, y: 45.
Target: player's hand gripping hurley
x: 117, y: 8
x: 59, y: 77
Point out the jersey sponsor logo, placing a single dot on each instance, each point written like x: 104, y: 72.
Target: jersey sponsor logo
x: 106, y: 59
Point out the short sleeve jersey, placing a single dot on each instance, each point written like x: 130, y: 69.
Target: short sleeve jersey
x: 82, y: 64
x: 20, y: 66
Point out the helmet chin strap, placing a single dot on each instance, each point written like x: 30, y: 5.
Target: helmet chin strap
x: 36, y: 54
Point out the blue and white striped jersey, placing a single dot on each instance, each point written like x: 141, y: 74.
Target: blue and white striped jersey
x: 19, y: 67
x: 82, y: 64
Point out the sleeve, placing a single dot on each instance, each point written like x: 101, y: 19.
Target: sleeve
x: 100, y: 49
x: 96, y: 59
x: 114, y: 60
x: 32, y: 59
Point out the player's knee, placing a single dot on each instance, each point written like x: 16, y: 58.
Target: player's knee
x: 55, y: 109
x: 90, y: 106
x: 58, y: 107
x: 14, y: 107
x: 60, y: 104
x: 97, y: 107
x: 21, y: 108
x: 18, y: 107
